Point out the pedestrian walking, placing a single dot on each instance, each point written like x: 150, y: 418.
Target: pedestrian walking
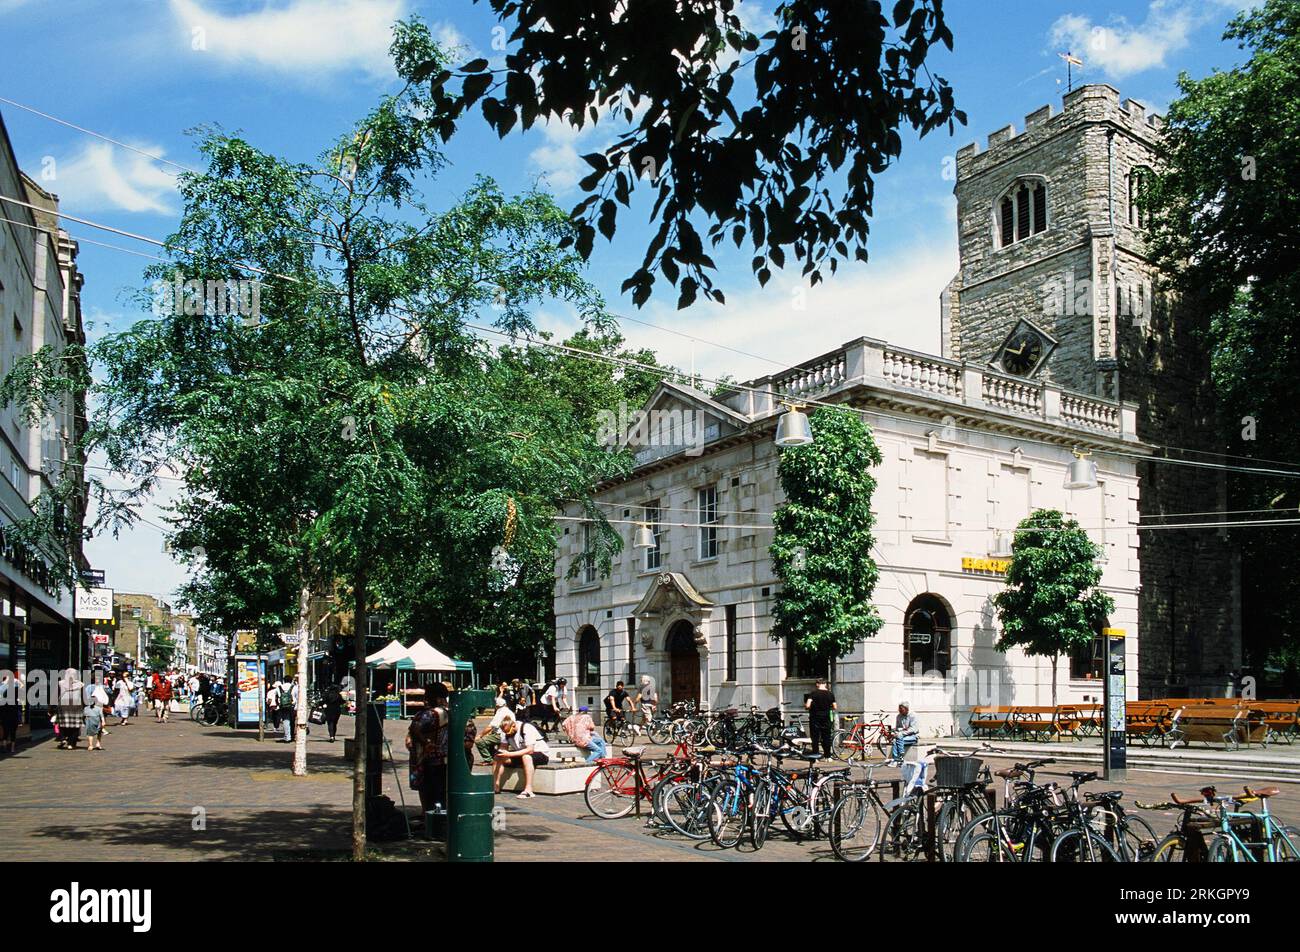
x: 122, y: 699
x: 273, y: 703
x: 288, y: 703
x: 333, y: 695
x: 819, y: 704
x: 11, y: 688
x: 162, y: 700
x: 426, y: 739
x: 72, y: 709
x: 581, y: 731
x: 648, y: 699
x: 96, y: 701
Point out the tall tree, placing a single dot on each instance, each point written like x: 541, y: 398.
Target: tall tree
x: 821, y: 549
x: 752, y: 133
x: 1226, y: 231
x: 1051, y: 604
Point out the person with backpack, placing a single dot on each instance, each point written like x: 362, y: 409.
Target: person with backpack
x: 287, y: 703
x: 524, y: 747
x: 427, y: 739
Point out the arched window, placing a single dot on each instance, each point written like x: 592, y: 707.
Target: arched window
x: 1022, y: 211
x: 1139, y: 180
x: 927, y: 636
x: 588, y: 656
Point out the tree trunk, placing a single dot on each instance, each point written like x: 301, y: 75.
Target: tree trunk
x: 303, y: 707
x: 359, y: 732
x: 1055, y: 658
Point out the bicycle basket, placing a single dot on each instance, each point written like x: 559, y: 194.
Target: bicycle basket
x: 956, y: 771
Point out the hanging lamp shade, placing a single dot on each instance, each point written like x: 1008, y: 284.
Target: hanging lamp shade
x: 645, y: 537
x: 1082, y: 473
x: 1001, y: 545
x: 793, y: 429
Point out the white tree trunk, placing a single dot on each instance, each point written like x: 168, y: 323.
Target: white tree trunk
x: 301, y: 710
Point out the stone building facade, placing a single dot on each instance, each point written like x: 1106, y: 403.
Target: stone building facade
x: 40, y: 306
x: 1054, y: 263
x: 968, y: 451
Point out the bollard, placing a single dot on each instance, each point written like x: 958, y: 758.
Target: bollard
x: 469, y: 795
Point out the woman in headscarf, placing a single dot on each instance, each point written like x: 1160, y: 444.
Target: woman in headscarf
x: 72, y: 709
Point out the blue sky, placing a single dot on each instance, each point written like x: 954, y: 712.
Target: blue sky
x: 292, y: 74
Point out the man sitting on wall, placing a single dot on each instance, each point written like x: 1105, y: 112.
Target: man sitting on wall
x: 524, y: 747
x: 905, y: 732
x: 581, y: 731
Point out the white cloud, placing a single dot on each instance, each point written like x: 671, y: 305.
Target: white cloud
x: 7, y: 6
x: 102, y: 176
x: 298, y: 36
x: 559, y: 161
x: 893, y: 298
x: 1121, y: 49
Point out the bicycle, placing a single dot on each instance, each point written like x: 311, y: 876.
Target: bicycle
x: 619, y: 785
x: 1186, y: 842
x: 1023, y: 829
x: 1079, y: 841
x: 876, y: 736
x: 1277, y: 843
x: 803, y: 801
x: 1131, y: 837
x: 857, y: 819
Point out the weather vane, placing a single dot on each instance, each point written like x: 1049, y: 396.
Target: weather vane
x: 1071, y: 61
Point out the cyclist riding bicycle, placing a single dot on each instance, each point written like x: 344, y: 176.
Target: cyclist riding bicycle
x: 614, y: 702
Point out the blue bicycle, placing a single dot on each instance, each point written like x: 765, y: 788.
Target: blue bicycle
x: 1277, y: 843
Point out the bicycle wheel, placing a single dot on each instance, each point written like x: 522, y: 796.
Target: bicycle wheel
x: 1137, y: 840
x: 767, y: 800
x: 687, y: 806
x: 611, y: 791
x: 1172, y: 849
x: 611, y: 730
x: 728, y: 814
x: 659, y: 796
x: 1028, y: 839
x: 208, y: 715
x: 904, y: 836
x: 954, y: 816
x: 846, y: 747
x: 660, y: 732
x: 1072, y: 847
x: 854, y: 826
x: 196, y: 712
x: 1286, y: 844
x: 822, y: 799
x: 987, y: 848
x: 1222, y: 850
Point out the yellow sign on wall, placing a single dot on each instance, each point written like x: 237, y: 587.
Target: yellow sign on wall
x: 1114, y: 632
x: 999, y: 566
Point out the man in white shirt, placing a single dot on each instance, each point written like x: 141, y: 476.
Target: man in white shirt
x: 524, y: 747
x: 554, y: 700
x: 490, y: 737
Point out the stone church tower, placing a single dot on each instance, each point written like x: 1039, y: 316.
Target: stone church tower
x: 1055, y: 284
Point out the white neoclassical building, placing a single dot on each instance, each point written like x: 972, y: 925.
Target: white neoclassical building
x: 968, y: 452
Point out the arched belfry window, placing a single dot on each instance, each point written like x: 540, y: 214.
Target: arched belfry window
x: 1139, y: 180
x: 588, y: 656
x: 1022, y: 211
x: 927, y: 636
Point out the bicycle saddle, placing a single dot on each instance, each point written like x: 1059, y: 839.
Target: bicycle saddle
x: 731, y: 712
x: 1083, y: 776
x: 633, y: 751
x: 799, y: 755
x: 1009, y: 773
x: 1107, y: 795
x: 1262, y: 792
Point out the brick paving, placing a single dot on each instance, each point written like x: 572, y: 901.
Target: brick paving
x: 140, y: 797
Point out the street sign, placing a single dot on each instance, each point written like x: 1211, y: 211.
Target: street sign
x: 292, y: 637
x: 94, y: 603
x: 92, y: 577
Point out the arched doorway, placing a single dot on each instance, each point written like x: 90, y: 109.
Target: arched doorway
x: 684, y: 657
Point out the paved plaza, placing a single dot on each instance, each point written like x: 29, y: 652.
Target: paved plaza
x: 180, y: 791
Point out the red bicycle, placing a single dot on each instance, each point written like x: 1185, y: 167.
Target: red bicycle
x: 618, y: 784
x: 864, y: 740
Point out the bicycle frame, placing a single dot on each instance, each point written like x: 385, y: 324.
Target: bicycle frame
x: 1246, y: 848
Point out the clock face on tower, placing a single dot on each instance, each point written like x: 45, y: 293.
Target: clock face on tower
x: 1022, y: 352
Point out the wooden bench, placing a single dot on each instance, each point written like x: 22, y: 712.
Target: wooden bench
x: 1090, y: 719
x: 1281, y: 719
x: 990, y: 719
x: 1218, y: 723
x: 1045, y: 721
x: 1148, y: 721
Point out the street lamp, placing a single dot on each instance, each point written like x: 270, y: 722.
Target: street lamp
x: 645, y: 537
x: 1082, y: 473
x: 793, y: 429
x: 1001, y: 545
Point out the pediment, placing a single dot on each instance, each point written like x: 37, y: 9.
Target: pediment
x: 671, y: 592
x: 676, y: 419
